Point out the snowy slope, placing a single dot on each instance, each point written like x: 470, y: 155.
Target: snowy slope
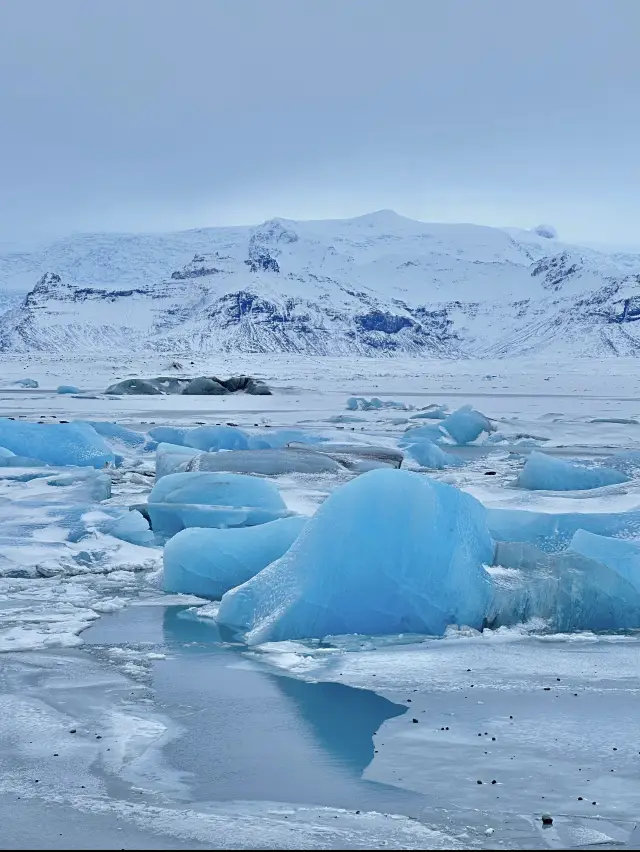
x: 377, y: 284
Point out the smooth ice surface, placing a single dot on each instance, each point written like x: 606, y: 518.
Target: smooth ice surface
x: 553, y: 531
x: 621, y: 556
x: 566, y: 590
x: 265, y: 462
x: 391, y: 551
x: 429, y: 455
x: 466, y: 424
x: 168, y: 434
x: 205, y: 499
x: 169, y: 458
x: 548, y: 473
x: 56, y: 443
x: 67, y: 389
x: 209, y: 562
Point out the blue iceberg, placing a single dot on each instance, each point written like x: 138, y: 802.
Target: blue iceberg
x: 619, y: 555
x: 430, y: 432
x: 56, y: 443
x: 132, y: 526
x: 566, y: 590
x: 212, y: 438
x: 170, y: 458
x: 429, y: 455
x: 391, y: 551
x: 168, y: 434
x: 552, y: 531
x: 274, y: 439
x: 431, y: 412
x: 203, y: 499
x: 466, y: 424
x: 67, y: 389
x: 116, y: 432
x: 547, y: 473
x: 209, y: 562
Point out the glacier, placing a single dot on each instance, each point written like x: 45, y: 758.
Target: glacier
x: 389, y: 552
x: 209, y: 562
x: 542, y: 472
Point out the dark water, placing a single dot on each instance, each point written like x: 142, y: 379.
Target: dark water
x: 247, y: 733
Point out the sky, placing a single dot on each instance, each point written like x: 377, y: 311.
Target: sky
x: 147, y: 115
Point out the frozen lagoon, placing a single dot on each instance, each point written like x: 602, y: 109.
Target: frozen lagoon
x: 157, y: 786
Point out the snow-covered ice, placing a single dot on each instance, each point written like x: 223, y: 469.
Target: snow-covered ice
x: 546, y: 473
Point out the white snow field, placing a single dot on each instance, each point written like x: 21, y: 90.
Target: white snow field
x: 139, y: 718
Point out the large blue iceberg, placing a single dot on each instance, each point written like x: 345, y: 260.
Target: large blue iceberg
x: 56, y: 443
x: 209, y: 562
x: 391, y: 551
x: 203, y: 499
x: 548, y: 473
x: 170, y: 458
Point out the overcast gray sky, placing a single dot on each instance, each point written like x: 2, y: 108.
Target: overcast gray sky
x: 167, y: 114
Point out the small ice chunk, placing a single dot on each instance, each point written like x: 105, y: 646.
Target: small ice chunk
x: 389, y: 552
x: 68, y: 389
x: 209, y: 562
x: 359, y: 403
x: 26, y: 383
x: 277, y: 438
x: 170, y: 458
x: 97, y: 486
x: 621, y: 556
x: 547, y: 473
x: 132, y: 527
x: 466, y: 424
x: 429, y: 455
x: 56, y: 443
x: 203, y: 499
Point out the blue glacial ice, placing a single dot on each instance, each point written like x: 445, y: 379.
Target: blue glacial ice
x: 466, y: 424
x: 209, y: 562
x: 26, y: 383
x: 427, y: 454
x: 547, y: 473
x: 131, y: 526
x: 90, y: 484
x: 56, y: 443
x: 553, y: 531
x: 67, y: 389
x: 431, y: 412
x: 203, y: 499
x: 273, y: 439
x: 429, y: 432
x: 391, y: 551
x: 266, y: 462
x: 567, y: 590
x: 171, y: 457
x: 169, y: 434
x: 116, y: 432
x: 619, y: 555
x: 212, y: 438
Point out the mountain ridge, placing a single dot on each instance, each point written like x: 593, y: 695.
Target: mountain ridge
x: 378, y: 284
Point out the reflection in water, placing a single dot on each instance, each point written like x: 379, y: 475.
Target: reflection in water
x: 249, y: 733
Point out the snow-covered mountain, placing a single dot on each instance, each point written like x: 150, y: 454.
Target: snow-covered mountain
x: 377, y: 284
